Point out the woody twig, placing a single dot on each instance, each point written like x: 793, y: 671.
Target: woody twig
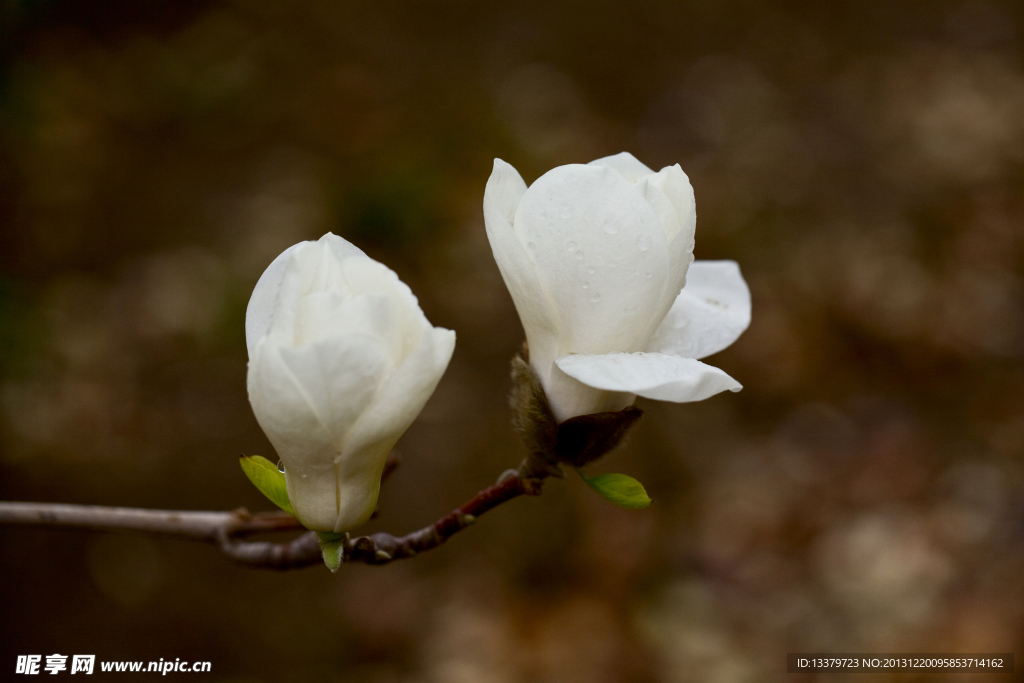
x: 228, y: 529
x: 575, y: 443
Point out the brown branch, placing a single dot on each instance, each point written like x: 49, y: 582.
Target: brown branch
x: 576, y: 442
x: 381, y: 548
x: 222, y: 528
x: 177, y: 523
x: 303, y: 551
x: 226, y: 528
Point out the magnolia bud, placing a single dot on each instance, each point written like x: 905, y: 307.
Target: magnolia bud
x: 341, y: 361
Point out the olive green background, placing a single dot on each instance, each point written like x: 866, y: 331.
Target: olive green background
x: 863, y: 162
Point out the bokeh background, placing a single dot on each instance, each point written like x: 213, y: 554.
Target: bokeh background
x: 864, y: 163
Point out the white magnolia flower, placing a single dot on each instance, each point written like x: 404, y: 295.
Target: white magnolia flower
x: 595, y: 257
x: 341, y: 361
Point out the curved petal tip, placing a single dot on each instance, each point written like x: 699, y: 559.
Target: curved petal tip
x: 658, y: 376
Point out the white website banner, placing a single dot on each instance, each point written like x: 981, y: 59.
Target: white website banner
x: 31, y: 665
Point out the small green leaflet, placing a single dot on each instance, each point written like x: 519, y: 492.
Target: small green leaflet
x: 268, y: 479
x: 620, y: 489
x: 332, y: 547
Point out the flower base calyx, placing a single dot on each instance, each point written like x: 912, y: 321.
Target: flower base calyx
x: 577, y: 441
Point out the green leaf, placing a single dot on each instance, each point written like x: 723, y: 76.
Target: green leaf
x: 332, y: 547
x: 268, y: 479
x: 620, y: 489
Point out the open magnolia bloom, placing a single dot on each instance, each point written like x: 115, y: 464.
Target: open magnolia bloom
x: 596, y: 258
x: 341, y: 361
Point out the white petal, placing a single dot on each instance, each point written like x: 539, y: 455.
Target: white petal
x: 676, y: 185
x: 338, y: 377
x: 667, y: 215
x: 517, y: 270
x: 364, y: 275
x: 323, y: 315
x: 306, y: 400
x: 680, y: 251
x: 259, y: 312
x: 625, y: 163
x: 599, y: 253
x: 396, y: 404
x: 302, y: 268
x: 341, y: 248
x: 321, y: 263
x: 568, y: 397
x: 402, y: 396
x: 505, y: 188
x: 652, y: 375
x: 444, y: 346
x: 357, y: 489
x: 710, y: 313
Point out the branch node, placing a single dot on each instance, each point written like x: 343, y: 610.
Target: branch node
x: 532, y: 486
x: 538, y: 466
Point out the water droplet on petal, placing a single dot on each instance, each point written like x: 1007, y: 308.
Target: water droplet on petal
x: 565, y: 211
x: 579, y: 255
x: 590, y: 270
x: 644, y: 242
x: 572, y: 246
x: 648, y: 274
x: 280, y: 465
x: 609, y: 226
x: 595, y: 297
x: 586, y: 284
x: 531, y: 246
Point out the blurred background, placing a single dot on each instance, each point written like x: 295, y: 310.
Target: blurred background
x: 863, y: 162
